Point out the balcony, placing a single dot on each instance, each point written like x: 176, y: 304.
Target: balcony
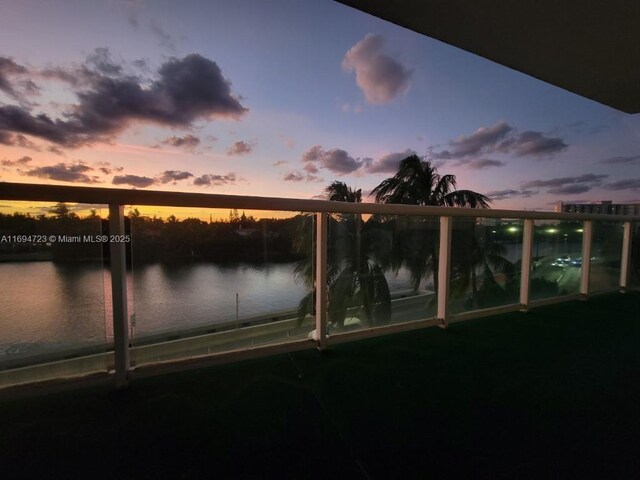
x: 551, y: 393
x: 133, y: 296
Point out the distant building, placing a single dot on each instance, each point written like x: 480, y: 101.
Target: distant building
x: 606, y: 207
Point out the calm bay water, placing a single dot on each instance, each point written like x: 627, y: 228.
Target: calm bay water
x: 48, y: 307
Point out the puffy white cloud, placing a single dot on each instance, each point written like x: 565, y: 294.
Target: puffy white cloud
x: 380, y: 77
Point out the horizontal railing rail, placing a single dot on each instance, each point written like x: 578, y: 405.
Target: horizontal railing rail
x: 117, y: 199
x: 118, y: 196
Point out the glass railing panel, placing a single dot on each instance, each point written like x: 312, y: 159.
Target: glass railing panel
x: 380, y: 270
x: 606, y: 255
x: 486, y: 255
x: 634, y: 264
x: 557, y: 258
x: 52, y: 290
x: 209, y: 280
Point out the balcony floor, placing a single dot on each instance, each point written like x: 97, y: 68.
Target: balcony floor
x: 553, y: 393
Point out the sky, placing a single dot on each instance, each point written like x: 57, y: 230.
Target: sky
x: 281, y: 98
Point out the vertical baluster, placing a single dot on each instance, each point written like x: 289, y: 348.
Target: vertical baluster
x: 626, y: 257
x: 444, y: 269
x: 587, y: 237
x: 525, y: 270
x: 119, y: 295
x: 321, y: 280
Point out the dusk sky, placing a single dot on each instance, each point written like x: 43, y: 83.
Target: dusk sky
x: 280, y: 98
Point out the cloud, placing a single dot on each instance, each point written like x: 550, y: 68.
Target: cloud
x: 484, y: 163
x: 174, y: 176
x: 65, y: 172
x: 628, y: 184
x: 55, y: 150
x: 18, y: 162
x: 336, y: 160
x: 8, y: 69
x: 380, y: 77
x: 293, y: 177
x: 483, y: 140
x: 389, y: 163
x: 504, y: 194
x: 560, y: 182
x: 165, y: 39
x: 240, y: 148
x: 572, y: 189
x: 189, y: 142
x: 297, y: 176
x: 100, y: 60
x: 279, y: 163
x: 183, y: 90
x: 622, y: 160
x: 133, y: 180
x: 210, y: 180
x: 536, y: 144
x: 500, y: 138
x: 568, y: 185
x: 107, y: 168
x: 17, y: 141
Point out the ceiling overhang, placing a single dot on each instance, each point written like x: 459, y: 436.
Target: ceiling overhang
x: 588, y: 48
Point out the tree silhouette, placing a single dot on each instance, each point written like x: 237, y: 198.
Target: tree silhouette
x: 417, y: 182
x: 354, y: 277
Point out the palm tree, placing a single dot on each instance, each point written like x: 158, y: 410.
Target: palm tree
x: 417, y: 182
x: 339, y: 192
x: 354, y: 277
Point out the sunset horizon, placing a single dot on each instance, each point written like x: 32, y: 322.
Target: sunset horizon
x: 240, y: 98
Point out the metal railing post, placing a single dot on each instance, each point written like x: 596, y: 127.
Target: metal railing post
x: 626, y: 256
x: 119, y: 295
x: 525, y: 270
x: 444, y: 269
x: 587, y: 236
x: 321, y: 279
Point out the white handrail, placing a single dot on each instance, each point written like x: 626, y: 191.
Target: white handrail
x: 114, y: 196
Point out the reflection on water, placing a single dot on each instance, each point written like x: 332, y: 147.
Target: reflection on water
x: 183, y: 296
x: 49, y: 307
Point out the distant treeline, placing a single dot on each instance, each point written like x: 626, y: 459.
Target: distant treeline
x: 239, y: 238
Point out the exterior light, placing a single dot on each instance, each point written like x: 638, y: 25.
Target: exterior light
x: 580, y: 230
x: 512, y: 229
x: 493, y: 231
x: 552, y: 230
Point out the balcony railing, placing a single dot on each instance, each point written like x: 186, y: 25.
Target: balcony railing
x: 456, y: 261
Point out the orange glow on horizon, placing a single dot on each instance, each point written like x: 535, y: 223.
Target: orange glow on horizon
x: 205, y: 214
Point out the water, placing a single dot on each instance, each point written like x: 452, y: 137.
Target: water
x: 52, y: 308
